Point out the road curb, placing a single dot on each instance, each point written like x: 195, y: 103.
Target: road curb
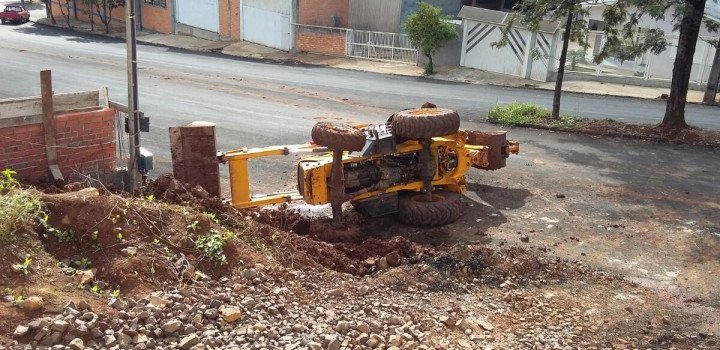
x: 293, y: 62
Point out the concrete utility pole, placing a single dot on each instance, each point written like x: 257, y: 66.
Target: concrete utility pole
x: 134, y: 118
x: 714, y: 80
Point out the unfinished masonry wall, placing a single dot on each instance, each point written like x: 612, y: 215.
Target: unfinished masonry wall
x: 321, y: 40
x: 153, y: 17
x: 322, y: 26
x: 85, y: 144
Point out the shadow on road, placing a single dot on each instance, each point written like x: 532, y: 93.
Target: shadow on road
x: 646, y: 166
x: 482, y: 212
x: 69, y: 34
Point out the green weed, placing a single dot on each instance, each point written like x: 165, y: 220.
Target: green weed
x: 212, y: 246
x: 193, y: 226
x: 64, y: 235
x: 213, y: 217
x: 25, y: 265
x: 17, y: 207
x: 528, y: 114
x: 84, y: 263
x: 18, y: 301
x: 95, y: 289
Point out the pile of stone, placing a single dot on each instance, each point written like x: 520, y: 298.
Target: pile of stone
x: 277, y: 308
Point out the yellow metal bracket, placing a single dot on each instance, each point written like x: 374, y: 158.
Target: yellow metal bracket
x: 237, y: 161
x: 478, y: 155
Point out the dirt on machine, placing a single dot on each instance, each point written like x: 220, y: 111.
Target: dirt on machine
x: 415, y: 165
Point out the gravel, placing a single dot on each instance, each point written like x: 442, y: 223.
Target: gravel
x: 409, y: 307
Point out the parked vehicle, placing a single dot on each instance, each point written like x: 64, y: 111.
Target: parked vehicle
x: 14, y: 13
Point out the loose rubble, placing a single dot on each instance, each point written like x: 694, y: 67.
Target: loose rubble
x: 280, y: 308
x: 378, y: 293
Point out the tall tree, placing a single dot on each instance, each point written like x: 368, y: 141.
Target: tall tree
x: 625, y: 38
x: 429, y: 30
x: 105, y: 7
x: 48, y: 10
x: 532, y: 13
x: 65, y: 15
x: 90, y: 14
x: 622, y: 19
x: 689, y: 33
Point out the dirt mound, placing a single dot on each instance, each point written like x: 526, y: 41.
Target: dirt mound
x: 167, y: 188
x: 284, y: 219
x: 135, y: 243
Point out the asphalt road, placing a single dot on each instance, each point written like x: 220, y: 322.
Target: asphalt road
x: 637, y: 207
x: 260, y: 104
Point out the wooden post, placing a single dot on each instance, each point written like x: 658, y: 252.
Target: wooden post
x: 49, y: 123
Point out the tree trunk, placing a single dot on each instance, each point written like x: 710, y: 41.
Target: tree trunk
x: 108, y: 21
x: 430, y: 68
x: 561, y: 69
x: 92, y: 18
x: 689, y: 32
x: 712, y: 88
x: 62, y: 12
x: 48, y: 11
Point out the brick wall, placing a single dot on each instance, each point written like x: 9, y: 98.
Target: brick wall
x: 230, y: 19
x: 321, y: 41
x: 86, y: 144
x: 320, y: 12
x: 154, y: 18
x: 22, y: 148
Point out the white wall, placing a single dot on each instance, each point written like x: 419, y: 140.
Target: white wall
x: 268, y: 22
x: 647, y: 22
x: 660, y: 66
x: 512, y: 59
x: 284, y: 7
x: 203, y: 14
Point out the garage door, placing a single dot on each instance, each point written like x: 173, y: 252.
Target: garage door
x: 201, y: 14
x: 267, y: 22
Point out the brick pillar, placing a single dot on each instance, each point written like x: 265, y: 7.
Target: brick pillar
x: 194, y: 155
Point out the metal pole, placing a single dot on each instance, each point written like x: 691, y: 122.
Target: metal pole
x: 134, y: 120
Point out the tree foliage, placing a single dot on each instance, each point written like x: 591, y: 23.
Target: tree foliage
x: 106, y: 7
x: 48, y: 10
x: 533, y: 13
x: 626, y: 39
x: 429, y: 30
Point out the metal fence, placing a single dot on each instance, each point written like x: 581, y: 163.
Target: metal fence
x: 381, y: 46
x: 647, y: 67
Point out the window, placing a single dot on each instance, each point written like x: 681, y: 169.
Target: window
x: 509, y: 4
x: 158, y: 3
x: 595, y: 25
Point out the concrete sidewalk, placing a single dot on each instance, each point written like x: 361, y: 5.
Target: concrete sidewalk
x: 445, y: 73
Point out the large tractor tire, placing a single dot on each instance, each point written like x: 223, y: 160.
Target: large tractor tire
x: 445, y: 208
x: 425, y: 123
x: 338, y: 137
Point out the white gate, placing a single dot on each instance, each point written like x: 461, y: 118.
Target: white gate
x: 381, y: 46
x: 203, y: 14
x: 647, y: 67
x: 268, y: 22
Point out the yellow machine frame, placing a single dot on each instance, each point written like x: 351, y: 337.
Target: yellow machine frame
x: 315, y: 191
